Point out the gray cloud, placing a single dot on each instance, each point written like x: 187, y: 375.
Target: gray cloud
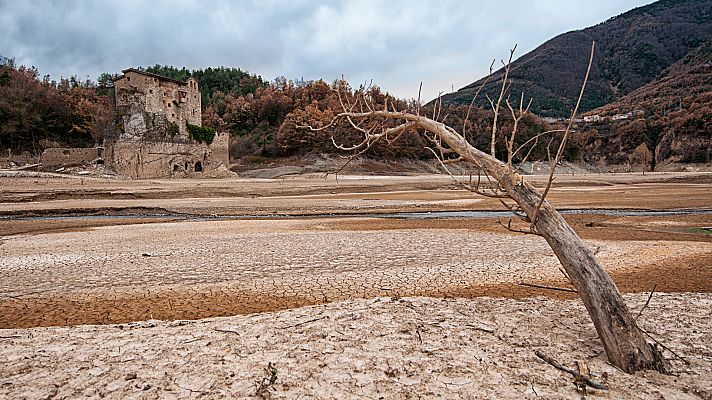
x: 397, y: 43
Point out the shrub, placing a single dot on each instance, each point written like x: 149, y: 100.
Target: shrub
x: 200, y: 133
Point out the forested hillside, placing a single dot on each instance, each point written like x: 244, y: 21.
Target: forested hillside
x: 36, y: 112
x: 263, y: 118
x: 633, y: 49
x: 669, y: 118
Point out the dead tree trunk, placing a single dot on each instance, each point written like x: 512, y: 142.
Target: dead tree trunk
x: 622, y: 339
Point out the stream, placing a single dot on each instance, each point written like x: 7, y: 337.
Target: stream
x: 398, y: 215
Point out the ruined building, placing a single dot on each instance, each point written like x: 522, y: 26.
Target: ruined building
x: 160, y: 132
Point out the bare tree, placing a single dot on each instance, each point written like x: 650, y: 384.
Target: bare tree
x: 622, y: 339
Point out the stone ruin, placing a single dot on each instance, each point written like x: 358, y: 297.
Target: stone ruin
x: 154, y: 137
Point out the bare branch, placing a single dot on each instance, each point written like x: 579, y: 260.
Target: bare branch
x: 469, y: 108
x: 585, y: 379
x: 681, y: 358
x: 562, y: 145
x: 559, y: 289
x: 367, y: 143
x: 516, y: 117
x: 474, y: 189
x: 311, y: 128
x: 566, y: 275
x: 358, y: 128
x: 646, y: 302
x: 536, y: 138
x: 418, y: 105
x: 453, y: 160
x: 499, y: 101
x: 526, y: 157
x: 395, y: 139
x: 435, y: 106
x: 490, y: 101
x: 517, y: 230
x: 516, y: 210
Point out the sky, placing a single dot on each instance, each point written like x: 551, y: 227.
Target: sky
x: 445, y: 44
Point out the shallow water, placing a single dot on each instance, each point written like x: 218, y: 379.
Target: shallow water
x: 399, y: 215
x: 597, y: 211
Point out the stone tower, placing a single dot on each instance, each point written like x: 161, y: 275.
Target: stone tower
x: 153, y: 139
x: 153, y: 105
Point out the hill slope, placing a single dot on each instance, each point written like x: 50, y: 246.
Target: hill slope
x: 666, y: 121
x: 633, y: 49
x: 686, y: 82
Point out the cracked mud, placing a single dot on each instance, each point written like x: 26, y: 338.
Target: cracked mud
x: 187, y: 270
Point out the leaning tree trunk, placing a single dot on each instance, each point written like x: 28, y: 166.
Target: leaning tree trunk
x: 622, y: 339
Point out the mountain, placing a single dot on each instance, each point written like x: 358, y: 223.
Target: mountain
x: 632, y: 50
x: 668, y: 120
x: 687, y: 81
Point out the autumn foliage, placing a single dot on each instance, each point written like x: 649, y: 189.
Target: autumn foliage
x: 36, y: 113
x: 670, y: 117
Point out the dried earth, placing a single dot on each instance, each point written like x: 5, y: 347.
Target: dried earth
x: 409, y: 348
x: 78, y: 250
x: 180, y: 270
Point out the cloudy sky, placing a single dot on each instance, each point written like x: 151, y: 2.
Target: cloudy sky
x: 397, y: 43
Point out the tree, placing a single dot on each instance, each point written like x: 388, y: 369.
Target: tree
x: 32, y: 109
x: 94, y: 115
x: 36, y: 113
x: 622, y: 339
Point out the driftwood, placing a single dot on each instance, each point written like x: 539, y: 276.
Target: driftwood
x: 558, y: 289
x: 305, y: 322
x: 26, y: 167
x: 579, y: 376
x: 227, y: 331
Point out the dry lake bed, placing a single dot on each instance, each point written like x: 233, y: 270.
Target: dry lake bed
x: 361, y: 287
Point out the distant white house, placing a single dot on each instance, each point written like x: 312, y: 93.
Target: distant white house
x: 619, y: 117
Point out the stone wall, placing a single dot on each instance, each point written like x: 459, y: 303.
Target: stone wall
x: 140, y: 159
x: 66, y: 157
x: 219, y: 148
